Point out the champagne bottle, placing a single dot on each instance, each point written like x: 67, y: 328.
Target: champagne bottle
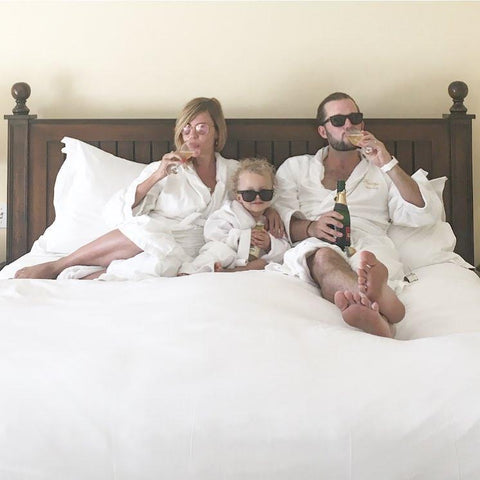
x: 341, y: 207
x: 255, y: 251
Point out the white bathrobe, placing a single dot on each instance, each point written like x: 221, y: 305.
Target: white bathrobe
x: 168, y: 224
x: 228, y: 235
x: 373, y: 201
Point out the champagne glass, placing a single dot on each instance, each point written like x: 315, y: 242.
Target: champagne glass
x: 355, y: 137
x: 185, y: 154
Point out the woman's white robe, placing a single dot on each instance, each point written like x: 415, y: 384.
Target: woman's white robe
x: 373, y: 201
x: 228, y: 234
x: 168, y: 223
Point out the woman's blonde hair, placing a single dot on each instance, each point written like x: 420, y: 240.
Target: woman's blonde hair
x: 195, y: 107
x: 260, y: 166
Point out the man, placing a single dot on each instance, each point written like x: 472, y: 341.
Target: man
x: 379, y: 192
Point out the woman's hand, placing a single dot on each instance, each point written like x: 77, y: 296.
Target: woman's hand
x: 273, y: 223
x: 168, y: 159
x: 260, y: 238
x: 160, y: 173
x: 323, y: 227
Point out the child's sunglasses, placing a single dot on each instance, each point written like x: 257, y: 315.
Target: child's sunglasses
x: 251, y: 195
x: 339, y: 120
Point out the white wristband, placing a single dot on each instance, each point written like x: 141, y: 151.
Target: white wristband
x: 388, y: 166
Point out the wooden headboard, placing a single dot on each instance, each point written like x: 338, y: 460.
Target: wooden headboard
x: 441, y: 146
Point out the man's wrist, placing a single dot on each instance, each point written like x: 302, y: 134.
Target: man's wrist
x: 388, y: 166
x: 307, y: 230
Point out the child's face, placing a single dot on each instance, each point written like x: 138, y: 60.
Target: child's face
x: 256, y: 182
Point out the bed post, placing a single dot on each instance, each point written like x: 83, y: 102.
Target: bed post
x: 460, y: 126
x: 17, y: 176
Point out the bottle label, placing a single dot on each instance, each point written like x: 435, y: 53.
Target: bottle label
x: 255, y: 252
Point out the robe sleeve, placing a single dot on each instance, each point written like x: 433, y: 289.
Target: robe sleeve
x: 222, y: 226
x: 119, y: 208
x: 226, y: 243
x: 406, y: 214
x: 211, y: 253
x: 278, y: 246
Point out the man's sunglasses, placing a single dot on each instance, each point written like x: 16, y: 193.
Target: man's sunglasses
x: 339, y: 120
x: 251, y: 195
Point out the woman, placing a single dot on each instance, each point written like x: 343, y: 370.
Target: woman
x: 162, y: 216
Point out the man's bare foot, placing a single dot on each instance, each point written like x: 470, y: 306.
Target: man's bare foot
x: 359, y: 312
x: 42, y: 270
x: 372, y: 282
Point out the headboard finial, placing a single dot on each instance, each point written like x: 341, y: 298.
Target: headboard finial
x: 458, y: 91
x: 20, y: 92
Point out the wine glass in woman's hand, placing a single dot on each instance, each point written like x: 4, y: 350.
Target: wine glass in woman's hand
x: 184, y: 153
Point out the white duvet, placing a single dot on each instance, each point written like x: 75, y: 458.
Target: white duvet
x: 249, y: 375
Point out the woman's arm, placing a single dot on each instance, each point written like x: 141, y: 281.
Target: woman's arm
x: 161, y: 172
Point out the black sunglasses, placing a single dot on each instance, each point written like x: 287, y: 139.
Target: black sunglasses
x: 251, y: 195
x: 339, y: 120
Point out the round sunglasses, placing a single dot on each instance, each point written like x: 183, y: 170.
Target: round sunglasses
x: 200, y: 128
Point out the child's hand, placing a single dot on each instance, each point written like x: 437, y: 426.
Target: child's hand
x: 261, y: 238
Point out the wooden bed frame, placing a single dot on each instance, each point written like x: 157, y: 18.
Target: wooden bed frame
x: 441, y: 146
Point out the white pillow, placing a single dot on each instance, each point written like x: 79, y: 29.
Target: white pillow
x: 422, y: 246
x: 85, y: 182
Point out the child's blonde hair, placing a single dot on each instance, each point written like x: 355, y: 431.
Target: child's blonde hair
x: 258, y: 165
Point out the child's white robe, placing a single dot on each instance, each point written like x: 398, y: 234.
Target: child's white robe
x: 228, y: 235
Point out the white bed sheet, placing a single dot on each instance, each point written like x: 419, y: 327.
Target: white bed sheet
x: 235, y: 376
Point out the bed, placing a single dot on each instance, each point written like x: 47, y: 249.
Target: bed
x: 249, y: 375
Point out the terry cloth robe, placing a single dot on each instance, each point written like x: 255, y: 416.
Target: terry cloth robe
x: 168, y: 223
x: 228, y: 234
x: 373, y: 201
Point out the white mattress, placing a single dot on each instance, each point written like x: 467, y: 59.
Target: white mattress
x: 249, y: 375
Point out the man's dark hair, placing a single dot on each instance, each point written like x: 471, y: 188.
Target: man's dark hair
x: 332, y: 97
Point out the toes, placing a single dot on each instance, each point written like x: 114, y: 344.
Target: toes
x: 364, y: 300
x: 362, y: 280
x: 340, y: 301
x: 357, y: 297
x: 350, y: 297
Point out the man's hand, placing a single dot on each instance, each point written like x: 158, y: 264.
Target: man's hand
x: 376, y: 153
x: 374, y: 150
x: 322, y: 228
x: 273, y: 223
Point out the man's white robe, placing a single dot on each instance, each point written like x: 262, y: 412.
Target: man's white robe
x: 228, y: 235
x: 373, y: 201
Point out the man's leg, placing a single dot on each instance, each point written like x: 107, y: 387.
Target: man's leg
x: 364, y: 299
x: 113, y: 245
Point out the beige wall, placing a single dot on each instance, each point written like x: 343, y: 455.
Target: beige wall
x: 145, y: 59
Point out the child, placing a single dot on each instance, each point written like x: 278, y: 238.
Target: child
x: 234, y: 234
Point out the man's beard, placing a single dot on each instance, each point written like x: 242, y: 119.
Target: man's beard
x: 340, y: 145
